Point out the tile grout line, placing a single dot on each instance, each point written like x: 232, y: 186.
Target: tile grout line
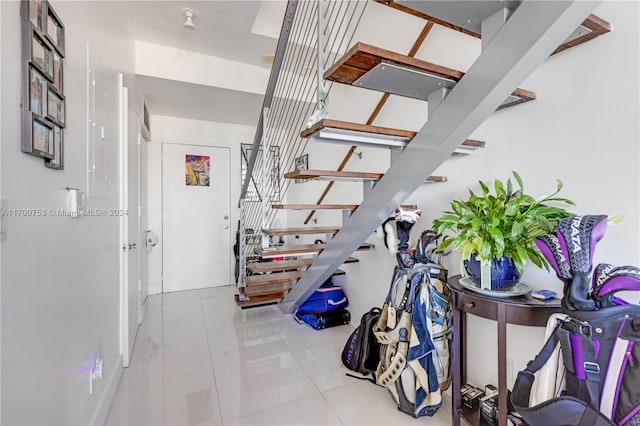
x: 213, y: 370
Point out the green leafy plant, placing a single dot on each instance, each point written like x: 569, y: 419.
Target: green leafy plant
x: 505, y: 222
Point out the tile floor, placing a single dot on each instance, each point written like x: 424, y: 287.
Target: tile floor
x: 200, y: 360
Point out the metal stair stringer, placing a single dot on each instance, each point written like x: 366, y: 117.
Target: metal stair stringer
x: 524, y: 42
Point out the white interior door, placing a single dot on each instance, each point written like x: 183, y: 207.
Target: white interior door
x: 195, y: 217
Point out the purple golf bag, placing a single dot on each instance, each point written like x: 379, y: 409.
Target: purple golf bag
x: 597, y: 337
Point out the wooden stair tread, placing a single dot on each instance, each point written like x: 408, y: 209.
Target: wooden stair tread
x: 362, y: 58
x: 279, y: 277
x: 282, y: 265
x: 299, y: 250
x: 395, y: 137
x: 268, y: 288
x: 275, y: 281
x: 314, y: 206
x: 314, y: 174
x: 302, y: 231
x: 342, y: 175
x: 260, y: 300
x: 595, y: 24
x: 355, y: 127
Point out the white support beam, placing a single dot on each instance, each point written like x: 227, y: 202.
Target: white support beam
x: 525, y: 41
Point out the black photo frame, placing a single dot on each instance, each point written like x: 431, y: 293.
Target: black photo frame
x: 57, y: 72
x: 38, y: 91
x: 41, y: 54
x: 57, y: 162
x: 40, y: 133
x: 36, y: 11
x: 54, y: 30
x: 55, y: 106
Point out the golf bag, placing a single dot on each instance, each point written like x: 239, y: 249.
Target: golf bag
x: 592, y: 346
x: 414, y: 326
x: 361, y: 353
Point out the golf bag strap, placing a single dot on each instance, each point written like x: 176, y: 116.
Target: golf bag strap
x: 522, y: 387
x: 591, y: 386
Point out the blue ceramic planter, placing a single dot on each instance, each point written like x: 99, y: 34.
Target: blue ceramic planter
x: 504, y: 273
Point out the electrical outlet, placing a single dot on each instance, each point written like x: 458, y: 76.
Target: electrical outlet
x: 97, y: 370
x: 95, y: 373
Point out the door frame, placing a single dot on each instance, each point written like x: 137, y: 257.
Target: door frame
x: 123, y: 171
x: 124, y: 251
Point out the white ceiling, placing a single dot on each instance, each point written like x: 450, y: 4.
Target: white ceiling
x: 239, y: 30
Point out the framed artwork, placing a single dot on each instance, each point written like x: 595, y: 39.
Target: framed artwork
x: 41, y: 137
x: 55, y: 106
x: 38, y: 89
x: 36, y: 10
x: 43, y: 103
x: 57, y: 71
x: 41, y: 55
x: 198, y: 169
x: 301, y: 163
x: 57, y: 162
x: 55, y: 30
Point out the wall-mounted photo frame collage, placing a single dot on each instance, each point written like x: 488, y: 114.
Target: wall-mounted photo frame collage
x: 43, y: 101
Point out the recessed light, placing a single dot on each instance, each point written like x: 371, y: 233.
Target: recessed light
x: 268, y: 58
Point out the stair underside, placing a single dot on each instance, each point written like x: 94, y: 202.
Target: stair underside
x: 591, y: 28
x: 283, y: 265
x: 342, y: 175
x: 355, y: 133
x: 386, y: 71
x: 299, y: 250
x: 302, y: 231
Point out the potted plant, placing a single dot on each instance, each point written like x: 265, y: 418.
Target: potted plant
x: 496, y: 232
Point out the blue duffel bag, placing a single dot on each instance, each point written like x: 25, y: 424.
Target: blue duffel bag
x: 325, y: 299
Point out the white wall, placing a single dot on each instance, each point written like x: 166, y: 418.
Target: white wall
x: 193, y: 132
x: 582, y: 129
x: 60, y: 289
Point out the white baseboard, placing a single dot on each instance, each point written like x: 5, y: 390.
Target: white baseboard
x: 102, y: 411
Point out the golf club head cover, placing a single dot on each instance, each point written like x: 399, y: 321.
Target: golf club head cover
x: 549, y: 246
x: 427, y: 238
x: 390, y: 236
x: 405, y: 219
x: 578, y: 236
x: 609, y: 280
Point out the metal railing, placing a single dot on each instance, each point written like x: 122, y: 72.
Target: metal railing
x: 313, y: 35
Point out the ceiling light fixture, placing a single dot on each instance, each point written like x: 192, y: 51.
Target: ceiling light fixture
x: 268, y: 58
x: 189, y: 15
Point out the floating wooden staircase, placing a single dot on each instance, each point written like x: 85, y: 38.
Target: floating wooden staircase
x: 534, y: 33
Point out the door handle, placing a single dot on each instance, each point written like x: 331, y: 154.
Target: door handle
x: 224, y: 227
x: 132, y: 246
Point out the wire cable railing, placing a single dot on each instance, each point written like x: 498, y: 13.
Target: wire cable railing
x: 313, y: 35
